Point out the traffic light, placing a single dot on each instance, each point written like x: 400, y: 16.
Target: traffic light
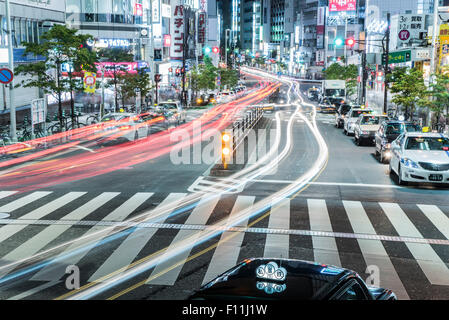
x: 215, y: 50
x: 225, y: 148
x: 207, y: 50
x: 178, y: 72
x: 157, y: 77
x: 350, y: 42
x: 338, y: 42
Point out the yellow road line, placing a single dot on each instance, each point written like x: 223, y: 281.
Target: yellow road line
x: 139, y: 284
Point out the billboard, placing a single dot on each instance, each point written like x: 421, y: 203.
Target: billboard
x: 342, y: 5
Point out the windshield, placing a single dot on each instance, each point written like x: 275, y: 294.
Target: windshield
x: 394, y: 128
x: 427, y: 144
x: 412, y: 128
x: 371, y: 120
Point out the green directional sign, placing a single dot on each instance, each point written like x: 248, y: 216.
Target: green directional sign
x: 397, y: 57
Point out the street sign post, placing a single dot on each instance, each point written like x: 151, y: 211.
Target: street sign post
x: 6, y: 76
x: 38, y: 114
x: 397, y: 57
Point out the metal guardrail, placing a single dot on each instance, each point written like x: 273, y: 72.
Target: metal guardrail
x: 240, y: 128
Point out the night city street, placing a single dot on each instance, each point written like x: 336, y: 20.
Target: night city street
x: 309, y: 163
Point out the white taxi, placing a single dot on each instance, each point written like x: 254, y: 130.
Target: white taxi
x: 420, y: 157
x: 366, y: 127
x: 351, y: 118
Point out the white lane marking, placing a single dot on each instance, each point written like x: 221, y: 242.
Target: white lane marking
x: 325, y: 249
x: 83, y: 148
x: 341, y: 184
x: 7, y: 231
x: 150, y: 225
x: 35, y: 290
x: 128, y: 250
x: 374, y: 252
x: 227, y: 251
x: 437, y: 217
x: 21, y: 202
x: 431, y: 264
x: 56, y: 270
x: 277, y: 245
x: 199, y: 216
x: 4, y: 194
x: 43, y: 238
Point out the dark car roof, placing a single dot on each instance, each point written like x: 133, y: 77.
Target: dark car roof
x: 303, y: 281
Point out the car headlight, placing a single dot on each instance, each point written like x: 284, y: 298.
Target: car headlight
x: 409, y: 163
x: 387, y: 145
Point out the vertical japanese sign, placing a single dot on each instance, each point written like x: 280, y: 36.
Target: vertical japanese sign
x: 177, y: 30
x: 342, y: 5
x: 320, y: 27
x: 444, y: 45
x: 202, y: 27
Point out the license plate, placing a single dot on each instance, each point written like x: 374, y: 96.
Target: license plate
x: 436, y: 177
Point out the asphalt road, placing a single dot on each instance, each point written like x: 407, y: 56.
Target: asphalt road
x: 351, y: 215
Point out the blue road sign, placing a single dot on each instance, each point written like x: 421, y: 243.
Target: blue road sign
x: 6, y: 76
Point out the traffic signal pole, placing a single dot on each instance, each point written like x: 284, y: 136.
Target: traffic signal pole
x: 387, y: 54
x: 12, y: 107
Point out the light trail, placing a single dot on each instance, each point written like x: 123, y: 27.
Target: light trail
x: 256, y: 209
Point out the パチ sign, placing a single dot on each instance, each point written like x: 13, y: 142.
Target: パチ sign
x: 177, y: 30
x: 342, y: 5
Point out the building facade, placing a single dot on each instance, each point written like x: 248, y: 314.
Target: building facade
x: 29, y: 20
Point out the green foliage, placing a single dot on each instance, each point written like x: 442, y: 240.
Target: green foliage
x: 408, y: 88
x: 229, y: 77
x: 437, y: 98
x: 130, y: 82
x: 59, y: 45
x: 337, y: 71
x: 119, y: 77
x: 348, y: 73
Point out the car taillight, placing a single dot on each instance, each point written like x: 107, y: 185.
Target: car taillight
x: 125, y: 127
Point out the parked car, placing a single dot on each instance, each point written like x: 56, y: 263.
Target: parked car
x: 351, y: 118
x: 420, y: 157
x: 288, y: 279
x: 366, y: 128
x: 340, y: 115
x: 387, y: 133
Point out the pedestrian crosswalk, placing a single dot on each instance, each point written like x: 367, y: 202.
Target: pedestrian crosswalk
x: 38, y: 219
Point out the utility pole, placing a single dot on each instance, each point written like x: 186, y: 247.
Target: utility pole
x: 150, y: 55
x: 12, y: 107
x: 184, y: 45
x: 433, y: 67
x: 386, y: 69
x: 364, y: 77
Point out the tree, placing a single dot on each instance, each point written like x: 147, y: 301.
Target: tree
x: 437, y: 98
x: 130, y: 82
x: 207, y: 75
x: 348, y: 73
x: 409, y: 89
x: 229, y: 77
x: 60, y: 46
x: 116, y: 56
